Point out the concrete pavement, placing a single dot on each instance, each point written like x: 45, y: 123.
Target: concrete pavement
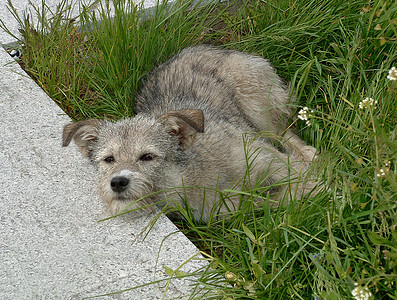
x: 51, y: 243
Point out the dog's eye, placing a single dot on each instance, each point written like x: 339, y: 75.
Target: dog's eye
x: 109, y: 159
x: 146, y: 157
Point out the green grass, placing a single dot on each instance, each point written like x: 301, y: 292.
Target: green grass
x: 94, y: 70
x: 335, y: 54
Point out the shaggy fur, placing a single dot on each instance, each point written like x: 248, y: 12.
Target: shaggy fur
x: 192, y: 114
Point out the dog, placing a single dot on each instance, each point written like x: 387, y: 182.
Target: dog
x: 208, y: 120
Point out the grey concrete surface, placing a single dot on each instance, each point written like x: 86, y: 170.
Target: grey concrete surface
x: 51, y: 243
x: 22, y: 6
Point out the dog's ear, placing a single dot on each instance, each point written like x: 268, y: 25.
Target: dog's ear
x: 84, y: 133
x: 184, y: 124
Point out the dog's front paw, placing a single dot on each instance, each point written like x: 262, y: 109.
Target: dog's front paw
x: 309, y: 153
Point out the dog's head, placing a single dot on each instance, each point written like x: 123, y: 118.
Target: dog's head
x: 136, y: 157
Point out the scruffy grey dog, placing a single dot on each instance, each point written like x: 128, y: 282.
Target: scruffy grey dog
x: 187, y: 136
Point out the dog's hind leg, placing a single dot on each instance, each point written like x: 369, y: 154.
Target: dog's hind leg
x: 263, y: 98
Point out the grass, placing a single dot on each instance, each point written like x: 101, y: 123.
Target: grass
x: 335, y: 54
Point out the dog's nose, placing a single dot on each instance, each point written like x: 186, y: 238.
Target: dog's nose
x: 119, y: 183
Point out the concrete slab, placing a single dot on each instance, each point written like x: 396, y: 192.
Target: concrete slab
x: 51, y: 244
x: 23, y: 6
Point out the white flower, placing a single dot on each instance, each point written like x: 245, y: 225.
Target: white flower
x: 361, y: 292
x: 385, y: 170
x: 305, y: 116
x: 367, y: 103
x: 392, y: 74
x: 380, y: 173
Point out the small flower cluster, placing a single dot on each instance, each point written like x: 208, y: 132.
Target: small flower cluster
x: 392, y: 74
x: 238, y: 281
x: 361, y: 292
x: 382, y: 172
x: 231, y: 276
x: 317, y: 255
x: 367, y: 103
x: 305, y: 116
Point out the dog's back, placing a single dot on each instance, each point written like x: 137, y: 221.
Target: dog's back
x: 227, y: 85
